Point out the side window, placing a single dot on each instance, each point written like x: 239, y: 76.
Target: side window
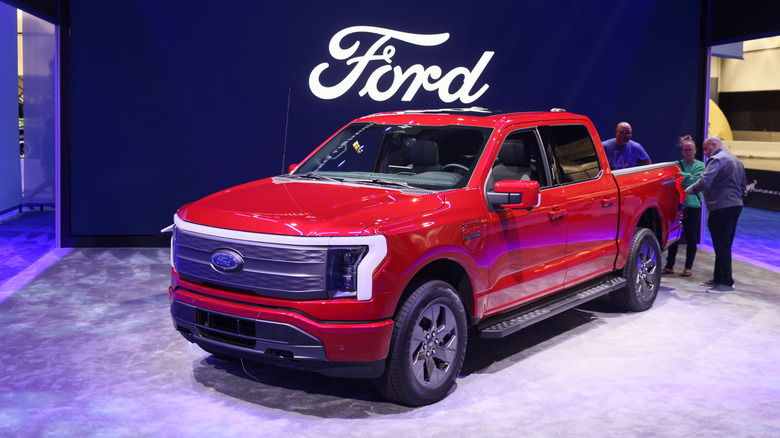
x: 575, y: 152
x: 519, y: 159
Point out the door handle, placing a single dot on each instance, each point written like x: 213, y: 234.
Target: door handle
x: 607, y: 201
x: 556, y: 214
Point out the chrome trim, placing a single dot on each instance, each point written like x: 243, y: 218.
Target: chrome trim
x: 377, y: 247
x: 637, y: 169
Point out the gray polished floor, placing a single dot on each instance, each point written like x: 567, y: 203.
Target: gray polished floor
x: 88, y: 349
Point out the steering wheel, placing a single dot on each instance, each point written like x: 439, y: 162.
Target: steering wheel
x: 454, y: 167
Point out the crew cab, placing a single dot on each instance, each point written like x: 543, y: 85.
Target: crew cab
x: 406, y: 232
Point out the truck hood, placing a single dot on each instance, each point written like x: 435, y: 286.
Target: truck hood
x: 306, y: 208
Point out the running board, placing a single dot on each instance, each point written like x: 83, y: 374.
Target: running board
x: 506, y: 325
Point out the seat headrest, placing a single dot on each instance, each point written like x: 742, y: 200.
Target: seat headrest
x: 425, y: 152
x: 514, y: 153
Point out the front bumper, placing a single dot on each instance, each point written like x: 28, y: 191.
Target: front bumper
x: 282, y: 337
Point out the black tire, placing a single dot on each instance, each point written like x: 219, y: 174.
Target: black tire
x: 642, y: 273
x: 427, y: 348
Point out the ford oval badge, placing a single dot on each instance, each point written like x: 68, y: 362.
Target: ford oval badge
x: 227, y: 261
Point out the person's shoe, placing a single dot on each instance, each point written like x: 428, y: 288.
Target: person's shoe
x: 667, y: 271
x: 721, y: 289
x: 686, y: 273
x: 709, y: 283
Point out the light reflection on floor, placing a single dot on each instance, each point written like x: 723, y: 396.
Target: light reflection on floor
x: 757, y: 240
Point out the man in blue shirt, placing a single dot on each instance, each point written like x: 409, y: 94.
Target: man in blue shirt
x: 622, y: 152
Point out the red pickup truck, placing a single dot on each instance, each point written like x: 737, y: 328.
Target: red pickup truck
x: 406, y: 232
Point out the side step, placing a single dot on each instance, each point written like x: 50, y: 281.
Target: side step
x: 505, y: 325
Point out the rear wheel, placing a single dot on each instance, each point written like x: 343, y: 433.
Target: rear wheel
x: 427, y: 348
x: 642, y: 273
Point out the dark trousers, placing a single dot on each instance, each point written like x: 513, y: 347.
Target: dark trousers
x: 723, y: 224
x: 691, y: 228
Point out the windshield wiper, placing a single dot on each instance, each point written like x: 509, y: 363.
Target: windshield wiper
x: 312, y: 175
x: 381, y: 182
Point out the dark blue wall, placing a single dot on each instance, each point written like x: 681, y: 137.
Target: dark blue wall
x: 170, y: 101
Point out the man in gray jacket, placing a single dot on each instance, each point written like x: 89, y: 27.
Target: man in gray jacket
x: 723, y: 184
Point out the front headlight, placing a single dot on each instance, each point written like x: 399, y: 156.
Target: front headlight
x: 342, y: 271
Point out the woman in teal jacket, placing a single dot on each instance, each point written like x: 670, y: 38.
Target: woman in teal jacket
x: 692, y: 170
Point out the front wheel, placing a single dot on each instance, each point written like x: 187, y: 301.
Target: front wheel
x: 427, y: 348
x: 642, y: 273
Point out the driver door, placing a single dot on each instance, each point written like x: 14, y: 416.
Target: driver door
x: 527, y: 247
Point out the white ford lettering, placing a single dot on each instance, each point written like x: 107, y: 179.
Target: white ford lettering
x: 429, y: 78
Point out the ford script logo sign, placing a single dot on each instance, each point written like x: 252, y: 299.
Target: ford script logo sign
x: 367, y: 53
x: 227, y: 261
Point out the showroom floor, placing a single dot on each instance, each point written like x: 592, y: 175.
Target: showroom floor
x: 88, y: 349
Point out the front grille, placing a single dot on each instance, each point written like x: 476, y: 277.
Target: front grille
x: 216, y: 335
x: 244, y: 332
x: 224, y: 328
x: 221, y: 332
x: 276, y: 271
x: 226, y: 323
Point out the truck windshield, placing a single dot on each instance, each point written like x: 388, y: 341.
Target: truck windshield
x: 427, y: 157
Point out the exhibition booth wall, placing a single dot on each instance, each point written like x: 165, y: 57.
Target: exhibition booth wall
x: 28, y: 81
x: 10, y: 171
x: 164, y: 103
x: 169, y: 102
x: 747, y: 88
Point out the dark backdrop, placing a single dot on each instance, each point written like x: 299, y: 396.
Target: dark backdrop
x: 741, y: 20
x: 166, y: 102
x: 751, y: 110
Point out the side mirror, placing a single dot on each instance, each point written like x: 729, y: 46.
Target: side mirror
x: 292, y: 167
x: 515, y: 194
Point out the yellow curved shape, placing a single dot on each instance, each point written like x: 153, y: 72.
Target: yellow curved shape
x: 718, y: 124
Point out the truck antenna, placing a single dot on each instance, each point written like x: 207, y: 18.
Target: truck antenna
x: 286, y: 122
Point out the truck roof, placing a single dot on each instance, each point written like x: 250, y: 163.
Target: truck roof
x: 474, y: 116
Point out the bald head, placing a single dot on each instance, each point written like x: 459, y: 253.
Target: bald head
x: 711, y: 145
x: 623, y: 133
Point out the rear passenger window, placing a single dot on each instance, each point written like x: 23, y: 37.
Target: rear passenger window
x: 576, y: 152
